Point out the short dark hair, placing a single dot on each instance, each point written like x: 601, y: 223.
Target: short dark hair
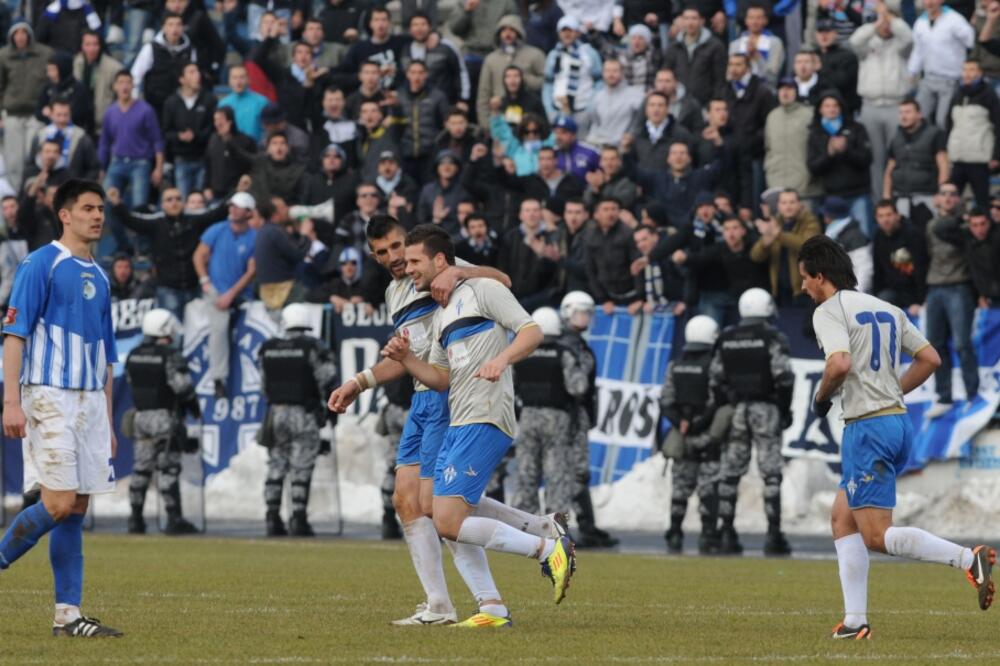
x: 416, y: 62
x: 454, y: 111
x: 976, y: 211
x: 912, y: 102
x: 886, y: 203
x: 608, y: 199
x: 645, y: 226
x: 421, y: 15
x: 333, y: 89
x: 73, y: 189
x: 733, y: 218
x: 123, y: 72
x: 434, y: 239
x: 276, y: 134
x: 170, y: 15
x: 60, y: 100
x: 745, y: 57
x: 548, y: 149
x: 475, y: 215
x: 823, y: 255
x: 381, y: 224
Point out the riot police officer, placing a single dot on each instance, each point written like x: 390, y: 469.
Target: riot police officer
x: 752, y: 367
x: 576, y: 311
x: 162, y: 390
x: 391, y: 420
x: 297, y: 372
x: 690, y: 407
x: 548, y: 383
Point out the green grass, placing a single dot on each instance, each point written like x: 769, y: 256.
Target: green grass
x: 188, y: 601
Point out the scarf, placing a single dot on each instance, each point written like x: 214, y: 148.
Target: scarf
x: 740, y: 85
x: 389, y: 186
x: 298, y: 73
x: 831, y: 127
x: 570, y: 61
x: 656, y: 131
x: 763, y: 43
x: 654, y: 284
x: 52, y: 11
x: 53, y: 132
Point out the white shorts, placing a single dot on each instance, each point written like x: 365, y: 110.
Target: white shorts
x: 68, y: 446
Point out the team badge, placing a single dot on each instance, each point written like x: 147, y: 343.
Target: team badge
x: 11, y: 317
x: 449, y: 474
x: 89, y: 290
x: 852, y: 486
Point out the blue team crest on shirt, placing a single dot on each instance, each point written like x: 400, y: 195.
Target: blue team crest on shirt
x: 89, y: 289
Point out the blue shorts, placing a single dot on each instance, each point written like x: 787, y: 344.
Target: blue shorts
x: 467, y: 460
x: 874, y: 451
x: 424, y: 432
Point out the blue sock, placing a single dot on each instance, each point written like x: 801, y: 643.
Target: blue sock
x: 28, y: 527
x: 66, y: 557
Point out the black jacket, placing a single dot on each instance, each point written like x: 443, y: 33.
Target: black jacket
x: 178, y: 118
x: 529, y: 273
x: 845, y: 174
x: 609, y: 257
x: 298, y: 101
x: 81, y: 100
x: 486, y: 255
x: 704, y: 71
x: 740, y: 272
x: 900, y: 264
x: 173, y: 240
x: 223, y: 166
x: 320, y: 188
x: 652, y: 155
x: 840, y: 72
x: 748, y: 115
x: 982, y: 256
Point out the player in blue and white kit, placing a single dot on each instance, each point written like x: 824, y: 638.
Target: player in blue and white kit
x: 412, y: 311
x: 58, y: 352
x: 863, y: 339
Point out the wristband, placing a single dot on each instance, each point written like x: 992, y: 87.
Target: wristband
x: 366, y: 379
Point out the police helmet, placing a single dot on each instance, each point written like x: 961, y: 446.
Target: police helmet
x: 295, y: 316
x: 575, y: 301
x: 756, y: 302
x: 160, y: 323
x: 547, y: 320
x: 701, y: 329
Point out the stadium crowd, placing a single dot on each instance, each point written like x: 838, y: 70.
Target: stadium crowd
x: 658, y: 156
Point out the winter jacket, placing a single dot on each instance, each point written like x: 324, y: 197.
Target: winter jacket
x: 915, y: 153
x: 270, y: 178
x: 738, y: 268
x: 901, y: 264
x: 159, y: 65
x: 609, y: 256
x: 177, y: 117
x: 972, y: 122
x: 651, y: 155
x: 981, y: 257
x: 444, y: 71
x: 370, y: 146
x: 786, y: 136
x: 940, y: 49
x: 320, y: 188
x: 565, y: 69
x: 223, y: 166
x: 840, y: 70
x: 98, y: 77
x: 525, y: 158
x: 298, y: 101
x: 611, y: 113
x: 882, y: 75
x: 529, y: 273
x: 530, y: 60
x: 513, y: 108
x: 772, y: 51
x: 619, y: 187
x: 694, y: 237
x: 845, y: 174
x: 703, y: 69
x: 748, y: 116
x: 80, y: 159
x: 793, y: 234
x: 81, y: 101
x: 478, y: 28
x: 677, y: 193
x: 61, y: 30
x: 947, y: 265
x: 452, y: 195
x: 422, y: 115
x: 22, y: 73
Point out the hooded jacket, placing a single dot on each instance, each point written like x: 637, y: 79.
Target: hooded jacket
x: 478, y: 27
x: 22, y: 73
x: 101, y: 77
x: 972, y: 122
x: 528, y: 58
x: 845, y: 174
x: 81, y: 101
x: 159, y: 65
x: 702, y: 69
x: 786, y: 136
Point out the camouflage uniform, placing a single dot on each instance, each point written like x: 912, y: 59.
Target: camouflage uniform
x: 758, y: 421
x: 294, y: 433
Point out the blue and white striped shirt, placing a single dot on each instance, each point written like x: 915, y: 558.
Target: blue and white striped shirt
x: 61, y: 306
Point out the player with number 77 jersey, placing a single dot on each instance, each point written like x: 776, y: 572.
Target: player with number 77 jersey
x: 862, y: 338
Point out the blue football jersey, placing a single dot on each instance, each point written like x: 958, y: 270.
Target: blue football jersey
x: 61, y: 306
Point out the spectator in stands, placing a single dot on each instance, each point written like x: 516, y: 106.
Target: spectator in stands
x: 325, y: 54
x: 573, y: 232
x: 160, y: 62
x: 510, y: 51
x: 246, y: 104
x: 393, y: 183
x: 187, y: 128
x: 517, y: 100
x: 652, y: 142
x: 574, y: 158
x: 444, y: 68
x: 941, y: 39
x: 749, y: 102
x: 374, y: 140
x: 36, y: 221
x: 981, y: 244
x: 572, y: 74
x: 610, y: 181
x: 351, y: 227
x: 77, y: 154
x: 274, y: 173
x: 731, y: 260
x: 882, y: 48
x: 986, y: 23
x: 22, y: 79
x: 679, y: 186
x: 381, y: 47
x: 225, y: 265
x: 900, y: 258
x: 421, y: 111
x: 334, y: 181
x: 96, y: 70
x: 13, y: 247
x: 201, y: 31
x: 341, y: 21
x: 842, y: 227
x: 174, y: 235
x: 131, y: 146
x: 223, y: 167
x: 528, y: 254
x: 838, y: 64
x: 696, y: 56
x: 300, y: 142
x: 278, y: 255
x: 839, y: 155
x: 808, y: 78
x: 610, y: 253
x: 523, y: 148
x: 763, y: 48
x: 476, y: 23
x: 49, y: 168
x: 613, y: 107
x: 781, y: 237
x: 479, y: 244
x: 457, y: 137
x: 62, y: 85
x: 951, y: 300
x: 60, y: 24
x: 138, y: 17
x: 369, y: 90
x: 664, y: 284
x: 124, y: 283
x: 549, y: 183
x: 331, y: 125
x: 640, y: 59
x: 973, y: 139
x: 686, y: 109
x: 299, y: 85
x: 345, y: 287
x: 439, y: 198
x: 786, y: 137
x: 917, y: 163
x: 844, y: 16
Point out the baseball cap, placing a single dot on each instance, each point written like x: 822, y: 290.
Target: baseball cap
x: 243, y: 200
x: 565, y: 122
x: 387, y: 155
x: 568, y: 23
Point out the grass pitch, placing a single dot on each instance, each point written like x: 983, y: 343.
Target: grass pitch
x: 218, y: 601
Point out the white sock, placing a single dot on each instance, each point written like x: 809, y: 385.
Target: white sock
x: 495, y: 609
x: 494, y: 535
x: 474, y: 569
x: 852, y: 557
x: 425, y: 550
x: 540, y: 526
x: 916, y: 544
x: 66, y: 613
